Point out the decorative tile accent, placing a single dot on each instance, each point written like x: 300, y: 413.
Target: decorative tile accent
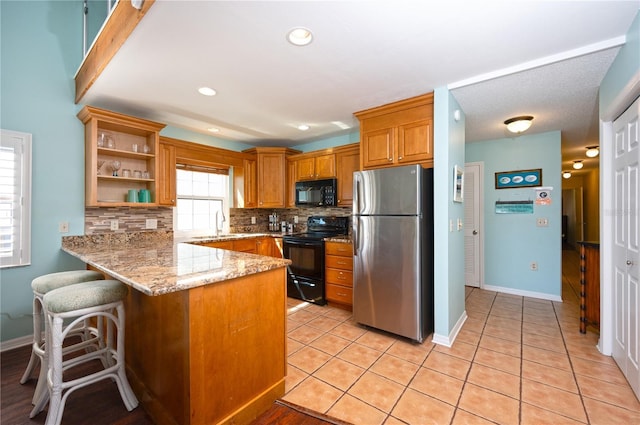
x: 240, y: 218
x: 98, y: 219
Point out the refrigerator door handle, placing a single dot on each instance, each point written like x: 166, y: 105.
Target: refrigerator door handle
x: 356, y: 194
x: 356, y: 225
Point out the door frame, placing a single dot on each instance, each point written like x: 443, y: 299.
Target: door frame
x: 480, y: 206
x: 624, y: 99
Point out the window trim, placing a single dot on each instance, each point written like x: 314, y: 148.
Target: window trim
x: 24, y: 140
x: 225, y: 203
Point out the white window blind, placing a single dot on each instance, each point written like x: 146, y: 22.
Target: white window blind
x: 15, y: 199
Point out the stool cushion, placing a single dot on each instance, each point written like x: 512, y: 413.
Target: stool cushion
x: 84, y: 295
x: 49, y: 282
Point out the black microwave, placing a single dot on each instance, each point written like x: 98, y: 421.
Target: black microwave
x: 317, y: 193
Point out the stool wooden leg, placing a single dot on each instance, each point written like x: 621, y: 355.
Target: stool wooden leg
x: 126, y: 393
x: 37, y: 336
x: 54, y: 379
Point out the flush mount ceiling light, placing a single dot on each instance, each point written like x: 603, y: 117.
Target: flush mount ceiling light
x: 566, y: 174
x: 519, y: 124
x: 207, y: 91
x: 299, y: 36
x: 577, y: 165
x: 213, y: 130
x: 593, y: 151
x: 303, y: 127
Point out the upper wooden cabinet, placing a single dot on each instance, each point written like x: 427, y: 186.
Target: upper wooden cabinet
x: 250, y: 183
x: 166, y: 185
x: 120, y: 155
x: 292, y: 166
x: 398, y: 133
x: 271, y: 172
x: 311, y: 167
x: 347, y: 161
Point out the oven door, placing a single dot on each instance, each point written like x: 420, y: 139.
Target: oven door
x: 305, y: 276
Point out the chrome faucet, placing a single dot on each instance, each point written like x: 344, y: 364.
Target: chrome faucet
x: 219, y: 222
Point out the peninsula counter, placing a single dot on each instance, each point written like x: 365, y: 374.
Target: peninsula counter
x: 205, y: 327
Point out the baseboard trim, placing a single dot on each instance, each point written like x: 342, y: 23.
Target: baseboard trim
x: 16, y: 343
x: 522, y: 293
x: 447, y: 341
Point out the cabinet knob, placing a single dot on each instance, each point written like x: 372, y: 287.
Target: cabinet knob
x: 390, y: 159
x: 399, y: 158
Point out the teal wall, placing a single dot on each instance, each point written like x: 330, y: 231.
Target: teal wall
x: 513, y: 241
x: 449, y: 150
x: 97, y: 14
x: 624, y: 68
x: 192, y: 136
x: 330, y: 142
x: 40, y: 51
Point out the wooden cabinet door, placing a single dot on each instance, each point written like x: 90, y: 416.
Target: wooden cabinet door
x: 292, y: 167
x: 377, y: 148
x: 245, y: 245
x: 166, y: 187
x: 271, y: 180
x: 264, y: 246
x: 305, y: 169
x: 415, y: 143
x: 325, y: 166
x: 250, y: 183
x: 346, y: 164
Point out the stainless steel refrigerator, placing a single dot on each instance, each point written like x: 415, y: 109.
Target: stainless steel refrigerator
x: 393, y: 250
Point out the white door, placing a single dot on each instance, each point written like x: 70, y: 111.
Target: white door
x: 626, y: 245
x: 473, y: 224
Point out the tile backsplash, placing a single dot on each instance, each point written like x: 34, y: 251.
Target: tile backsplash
x: 240, y: 220
x: 98, y: 219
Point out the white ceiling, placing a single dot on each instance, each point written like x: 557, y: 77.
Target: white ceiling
x: 500, y: 58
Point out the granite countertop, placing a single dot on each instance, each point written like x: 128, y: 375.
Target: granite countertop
x: 339, y: 239
x: 155, y: 264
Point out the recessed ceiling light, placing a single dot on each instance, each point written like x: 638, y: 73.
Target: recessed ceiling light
x: 303, y: 127
x: 207, y: 91
x: 213, y: 129
x: 299, y: 36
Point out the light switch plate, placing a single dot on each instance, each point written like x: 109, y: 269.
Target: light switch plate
x: 151, y: 223
x: 63, y: 227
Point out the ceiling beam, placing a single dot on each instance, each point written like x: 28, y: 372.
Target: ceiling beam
x: 119, y: 25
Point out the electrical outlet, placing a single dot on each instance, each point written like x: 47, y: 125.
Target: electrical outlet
x: 295, y: 219
x: 534, y: 266
x: 253, y: 220
x: 63, y: 227
x: 542, y: 222
x: 114, y: 224
x: 460, y: 223
x: 151, y: 223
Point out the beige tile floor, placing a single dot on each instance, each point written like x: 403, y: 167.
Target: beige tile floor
x: 517, y: 360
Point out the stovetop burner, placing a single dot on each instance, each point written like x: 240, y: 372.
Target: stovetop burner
x: 319, y: 227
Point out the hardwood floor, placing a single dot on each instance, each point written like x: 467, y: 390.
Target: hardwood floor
x: 100, y: 403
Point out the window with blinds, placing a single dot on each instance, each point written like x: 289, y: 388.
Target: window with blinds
x: 203, y: 201
x: 15, y: 199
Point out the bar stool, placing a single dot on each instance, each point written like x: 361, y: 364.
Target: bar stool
x: 96, y: 299
x: 40, y: 286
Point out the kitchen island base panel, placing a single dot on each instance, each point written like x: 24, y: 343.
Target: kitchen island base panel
x: 210, y: 354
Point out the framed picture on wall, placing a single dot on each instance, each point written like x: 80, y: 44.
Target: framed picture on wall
x: 458, y: 183
x: 519, y: 178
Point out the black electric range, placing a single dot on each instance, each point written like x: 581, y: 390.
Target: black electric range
x: 305, y: 275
